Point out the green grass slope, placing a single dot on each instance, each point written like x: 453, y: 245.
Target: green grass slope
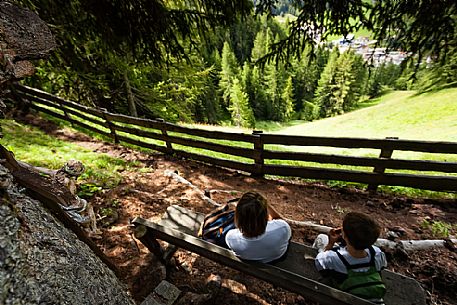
x: 31, y: 145
x: 402, y: 114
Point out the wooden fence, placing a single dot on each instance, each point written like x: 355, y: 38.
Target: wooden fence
x: 266, y: 154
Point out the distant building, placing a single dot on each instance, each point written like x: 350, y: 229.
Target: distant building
x: 376, y: 56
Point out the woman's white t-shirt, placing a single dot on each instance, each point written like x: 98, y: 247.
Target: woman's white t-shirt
x: 265, y: 248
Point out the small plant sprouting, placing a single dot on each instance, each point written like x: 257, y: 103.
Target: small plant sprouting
x: 87, y: 190
x: 439, y: 229
x: 115, y: 203
x: 339, y: 210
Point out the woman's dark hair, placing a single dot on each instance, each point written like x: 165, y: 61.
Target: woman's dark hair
x: 251, y: 214
x: 360, y: 229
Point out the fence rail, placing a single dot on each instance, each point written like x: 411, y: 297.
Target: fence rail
x: 281, y: 160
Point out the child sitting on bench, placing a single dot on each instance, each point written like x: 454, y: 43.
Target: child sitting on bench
x: 353, y: 266
x: 260, y: 234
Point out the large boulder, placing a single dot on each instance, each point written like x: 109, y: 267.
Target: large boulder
x: 42, y: 262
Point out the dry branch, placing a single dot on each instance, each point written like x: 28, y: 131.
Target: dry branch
x: 178, y: 178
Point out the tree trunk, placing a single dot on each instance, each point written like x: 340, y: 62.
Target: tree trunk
x: 130, y: 97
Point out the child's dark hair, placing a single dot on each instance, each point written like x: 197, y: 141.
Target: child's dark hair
x: 360, y: 230
x: 251, y: 214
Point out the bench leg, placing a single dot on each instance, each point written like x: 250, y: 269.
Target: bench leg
x: 147, y: 238
x: 169, y: 252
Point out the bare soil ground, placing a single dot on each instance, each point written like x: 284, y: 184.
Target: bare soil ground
x: 147, y: 192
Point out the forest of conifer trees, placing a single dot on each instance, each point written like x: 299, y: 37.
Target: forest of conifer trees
x: 224, y: 77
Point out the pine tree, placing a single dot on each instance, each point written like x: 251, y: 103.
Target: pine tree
x: 358, y: 86
x: 342, y: 83
x: 259, y: 95
x: 288, y: 100
x: 325, y: 98
x: 306, y: 77
x: 246, y: 82
x: 240, y: 110
x: 343, y: 79
x: 272, y: 92
x: 229, y: 70
x: 260, y: 46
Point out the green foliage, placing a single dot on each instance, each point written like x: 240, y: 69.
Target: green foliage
x: 240, y: 109
x: 89, y: 70
x: 437, y: 75
x: 228, y: 73
x: 306, y: 74
x: 287, y: 105
x: 358, y: 85
x: 385, y: 75
x: 153, y: 29
x: 342, y: 83
x: 111, y: 54
x: 309, y: 112
x: 439, y: 229
x: 325, y: 98
x: 420, y: 27
x: 87, y: 190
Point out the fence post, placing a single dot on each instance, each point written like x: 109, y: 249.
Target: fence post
x: 164, y: 132
x: 385, y: 154
x: 67, y: 116
x: 258, y: 153
x: 110, y: 126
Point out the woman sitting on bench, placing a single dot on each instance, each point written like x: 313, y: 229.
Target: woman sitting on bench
x: 261, y: 234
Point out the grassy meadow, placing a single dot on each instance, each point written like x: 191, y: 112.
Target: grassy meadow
x: 402, y: 114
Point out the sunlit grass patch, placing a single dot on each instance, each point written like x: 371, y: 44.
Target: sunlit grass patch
x: 31, y: 145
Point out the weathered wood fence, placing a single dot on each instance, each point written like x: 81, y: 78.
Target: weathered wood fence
x: 263, y: 160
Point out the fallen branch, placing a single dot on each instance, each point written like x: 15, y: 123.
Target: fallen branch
x: 309, y: 224
x: 413, y: 245
x: 178, y: 178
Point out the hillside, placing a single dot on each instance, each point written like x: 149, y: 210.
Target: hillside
x: 145, y: 190
x: 431, y: 116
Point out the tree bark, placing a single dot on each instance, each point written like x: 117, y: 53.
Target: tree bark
x: 130, y: 97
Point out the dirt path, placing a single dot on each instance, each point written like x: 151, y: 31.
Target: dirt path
x: 147, y: 192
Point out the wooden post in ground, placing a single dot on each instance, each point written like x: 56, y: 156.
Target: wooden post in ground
x: 164, y: 132
x: 386, y: 153
x: 258, y: 153
x: 65, y: 113
x: 142, y: 233
x: 110, y: 126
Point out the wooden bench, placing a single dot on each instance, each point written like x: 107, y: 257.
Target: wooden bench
x: 179, y: 227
